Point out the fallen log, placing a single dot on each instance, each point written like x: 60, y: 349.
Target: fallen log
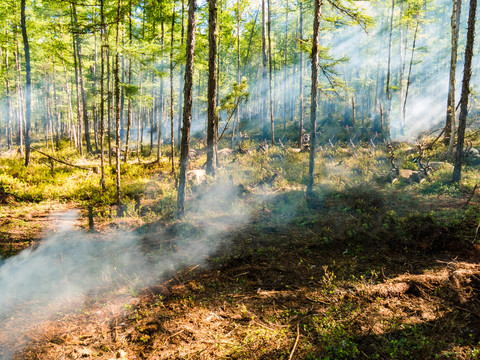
x: 94, y: 169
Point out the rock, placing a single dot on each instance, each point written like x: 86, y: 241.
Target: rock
x: 225, y: 152
x: 197, y: 176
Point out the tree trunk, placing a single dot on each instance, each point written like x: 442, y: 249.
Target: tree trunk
x: 270, y: 90
x: 117, y: 105
x: 129, y: 111
x: 161, y: 99
x: 449, y: 134
x: 212, y: 88
x: 109, y: 108
x: 285, y: 97
x: 182, y: 73
x: 239, y: 77
x: 172, y: 119
x: 7, y: 98
x: 467, y: 74
x: 82, y: 84
x: 300, y: 113
x: 264, y: 72
x: 404, y: 109
x: 314, y: 101
x: 73, y: 132
x: 77, y: 88
x: 187, y: 110
x: 102, y: 96
x: 28, y: 84
x: 389, y: 66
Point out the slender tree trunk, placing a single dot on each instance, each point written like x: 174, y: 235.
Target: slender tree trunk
x: 270, y: 90
x: 109, y: 108
x: 77, y: 87
x: 117, y: 104
x: 285, y: 97
x: 236, y: 123
x: 73, y: 134
x: 264, y: 72
x: 467, y: 74
x: 18, y: 92
x: 161, y: 99
x: 172, y: 119
x: 182, y: 73
x: 404, y: 110
x: 7, y: 98
x: 55, y: 108
x: 95, y: 104
x: 129, y: 111
x: 140, y: 118
x: 102, y: 96
x: 300, y: 108
x: 28, y: 84
x: 449, y: 135
x: 212, y: 88
x: 314, y: 101
x: 389, y: 66
x: 82, y: 84
x: 187, y: 110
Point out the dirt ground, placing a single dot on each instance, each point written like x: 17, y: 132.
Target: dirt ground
x: 308, y: 289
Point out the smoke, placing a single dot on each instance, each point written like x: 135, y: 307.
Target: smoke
x: 70, y: 265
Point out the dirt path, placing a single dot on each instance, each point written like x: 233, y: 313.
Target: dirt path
x: 23, y: 224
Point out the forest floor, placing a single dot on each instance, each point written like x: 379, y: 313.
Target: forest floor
x: 374, y: 272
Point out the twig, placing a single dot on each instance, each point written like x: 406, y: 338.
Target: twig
x: 296, y: 342
x: 470, y: 197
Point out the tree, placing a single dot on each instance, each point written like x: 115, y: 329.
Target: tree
x: 212, y: 88
x: 117, y: 104
x: 467, y: 74
x: 314, y: 99
x: 187, y: 109
x: 449, y: 134
x: 28, y: 84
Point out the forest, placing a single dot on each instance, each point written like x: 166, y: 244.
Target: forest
x: 239, y: 179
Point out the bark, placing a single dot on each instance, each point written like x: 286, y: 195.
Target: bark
x: 270, y: 92
x: 300, y: 113
x: 450, y: 120
x: 404, y: 109
x: 172, y: 119
x: 239, y: 76
x: 55, y: 108
x: 129, y: 111
x: 7, y: 98
x: 389, y: 66
x: 212, y: 88
x: 79, y: 111
x: 182, y: 73
x: 467, y: 74
x: 82, y: 84
x: 187, y: 110
x: 117, y: 105
x: 109, y: 108
x: 73, y: 133
x: 19, y: 111
x: 285, y: 98
x: 264, y: 72
x: 28, y: 84
x: 95, y: 104
x: 161, y: 99
x: 102, y: 96
x: 314, y: 100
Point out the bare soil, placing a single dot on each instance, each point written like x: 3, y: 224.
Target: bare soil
x: 336, y: 284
